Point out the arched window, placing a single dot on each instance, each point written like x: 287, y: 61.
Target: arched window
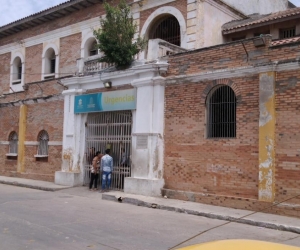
x: 50, y: 64
x: 93, y: 50
x: 90, y: 47
x: 221, y: 112
x: 17, y: 71
x: 168, y: 29
x: 43, y: 140
x: 13, y: 143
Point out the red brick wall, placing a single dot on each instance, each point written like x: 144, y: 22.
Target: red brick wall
x: 287, y: 134
x: 217, y: 166
x: 4, y: 72
x: 33, y: 63
x: 38, y: 119
x: 69, y: 53
x: 9, y: 122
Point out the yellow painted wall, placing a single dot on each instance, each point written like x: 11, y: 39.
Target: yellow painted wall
x: 267, y: 121
x: 22, y: 134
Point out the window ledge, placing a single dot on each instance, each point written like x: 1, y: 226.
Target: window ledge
x: 49, y: 76
x: 18, y: 81
x: 40, y: 156
x: 11, y: 154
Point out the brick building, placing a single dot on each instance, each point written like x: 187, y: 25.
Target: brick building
x: 205, y: 115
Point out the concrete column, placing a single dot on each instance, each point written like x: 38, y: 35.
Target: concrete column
x: 71, y: 173
x: 22, y: 137
x: 267, y: 121
x: 147, y: 139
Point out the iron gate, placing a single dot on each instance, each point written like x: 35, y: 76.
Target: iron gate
x: 110, y: 130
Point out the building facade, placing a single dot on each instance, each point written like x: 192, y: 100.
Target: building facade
x: 201, y: 115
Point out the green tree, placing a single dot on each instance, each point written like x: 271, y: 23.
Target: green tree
x: 115, y: 37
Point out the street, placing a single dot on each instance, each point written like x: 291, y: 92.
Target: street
x: 76, y: 218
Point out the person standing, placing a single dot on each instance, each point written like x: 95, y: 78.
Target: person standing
x: 95, y: 171
x: 106, y: 168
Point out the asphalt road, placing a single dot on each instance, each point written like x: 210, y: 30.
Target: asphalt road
x: 79, y: 219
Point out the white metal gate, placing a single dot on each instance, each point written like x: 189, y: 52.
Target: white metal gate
x: 110, y: 130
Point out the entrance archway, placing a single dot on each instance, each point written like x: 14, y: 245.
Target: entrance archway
x: 110, y: 130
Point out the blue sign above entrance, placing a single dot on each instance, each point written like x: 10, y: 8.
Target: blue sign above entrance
x: 106, y: 101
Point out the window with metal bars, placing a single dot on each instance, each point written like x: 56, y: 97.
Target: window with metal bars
x: 287, y: 33
x: 52, y: 66
x: 221, y: 112
x: 20, y: 72
x: 167, y: 29
x: 43, y: 139
x: 93, y: 49
x: 13, y: 143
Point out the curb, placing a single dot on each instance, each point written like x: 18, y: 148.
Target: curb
x: 268, y: 225
x: 31, y: 186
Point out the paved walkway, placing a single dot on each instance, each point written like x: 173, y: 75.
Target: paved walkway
x: 265, y: 220
x: 41, y: 185
x: 271, y: 221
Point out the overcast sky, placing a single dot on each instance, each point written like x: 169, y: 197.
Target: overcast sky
x: 12, y: 10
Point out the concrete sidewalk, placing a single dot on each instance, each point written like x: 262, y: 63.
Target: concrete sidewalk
x: 264, y: 220
x: 41, y: 185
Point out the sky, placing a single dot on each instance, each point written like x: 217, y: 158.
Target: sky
x: 12, y: 10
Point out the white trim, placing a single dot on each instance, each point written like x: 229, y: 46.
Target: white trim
x: 17, y: 84
x: 224, y: 9
x: 4, y: 142
x: 55, y: 44
x: 52, y: 35
x: 36, y: 143
x: 40, y: 156
x: 234, y: 72
x: 11, y: 154
x: 55, y: 143
x: 167, y: 10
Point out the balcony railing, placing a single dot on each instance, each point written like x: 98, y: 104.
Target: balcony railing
x: 157, y: 48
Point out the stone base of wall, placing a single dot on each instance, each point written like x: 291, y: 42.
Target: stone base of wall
x: 286, y: 208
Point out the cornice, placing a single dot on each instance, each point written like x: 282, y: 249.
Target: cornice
x: 233, y: 72
x: 52, y: 35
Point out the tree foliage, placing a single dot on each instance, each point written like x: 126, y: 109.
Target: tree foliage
x: 116, y: 35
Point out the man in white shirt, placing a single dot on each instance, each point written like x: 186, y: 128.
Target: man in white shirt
x: 106, y: 168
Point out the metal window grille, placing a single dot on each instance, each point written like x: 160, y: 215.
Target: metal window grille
x: 221, y: 113
x: 52, y: 65
x: 43, y: 143
x: 20, y: 72
x: 287, y: 33
x: 167, y: 29
x: 13, y: 143
x: 110, y: 130
x: 93, y: 49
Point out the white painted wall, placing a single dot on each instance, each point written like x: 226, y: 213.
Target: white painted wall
x: 258, y: 6
x: 211, y: 31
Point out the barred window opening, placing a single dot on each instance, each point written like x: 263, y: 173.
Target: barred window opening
x: 167, y: 29
x: 287, y: 33
x: 13, y: 143
x: 93, y: 49
x: 52, y: 65
x: 221, y: 108
x: 43, y: 143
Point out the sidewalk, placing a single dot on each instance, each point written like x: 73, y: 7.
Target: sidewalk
x: 41, y: 185
x: 264, y: 220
